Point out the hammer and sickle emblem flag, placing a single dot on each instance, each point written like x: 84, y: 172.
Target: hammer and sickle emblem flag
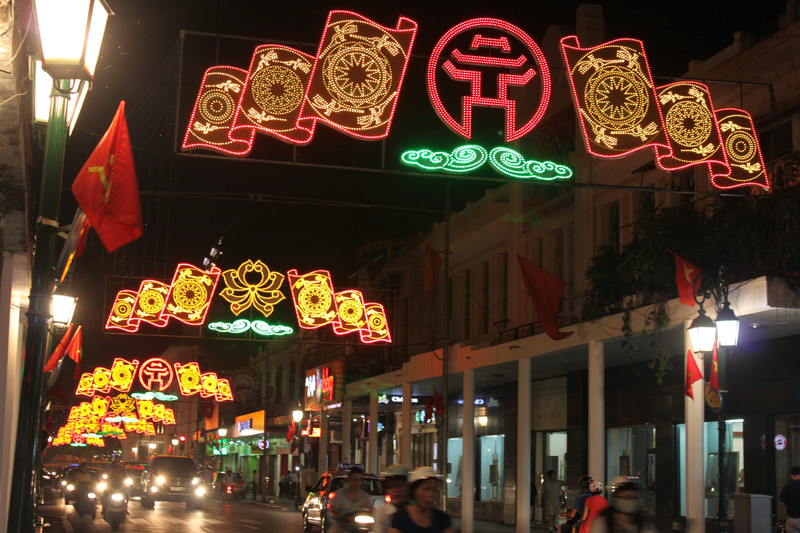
x: 357, y: 74
x: 106, y: 188
x: 313, y: 298
x: 740, y: 143
x: 214, y: 113
x: 613, y: 92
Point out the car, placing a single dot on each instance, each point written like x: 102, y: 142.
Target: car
x: 172, y: 478
x: 133, y: 479
x: 316, y: 506
x: 239, y: 484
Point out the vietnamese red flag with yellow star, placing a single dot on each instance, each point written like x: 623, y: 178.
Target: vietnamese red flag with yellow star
x: 685, y: 274
x: 106, y: 187
x: 692, y: 374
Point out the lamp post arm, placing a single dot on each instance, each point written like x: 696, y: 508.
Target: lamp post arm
x: 28, y: 424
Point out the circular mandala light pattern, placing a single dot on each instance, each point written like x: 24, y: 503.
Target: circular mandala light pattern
x: 688, y: 123
x: 740, y: 147
x: 151, y: 301
x: 190, y: 295
x: 216, y: 107
x: 357, y: 75
x: 123, y: 309
x: 377, y: 322
x: 616, y: 98
x: 351, y: 311
x: 278, y: 90
x: 314, y: 300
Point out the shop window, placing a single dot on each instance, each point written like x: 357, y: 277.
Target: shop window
x: 454, y: 458
x: 630, y: 451
x: 784, y: 443
x: 490, y: 468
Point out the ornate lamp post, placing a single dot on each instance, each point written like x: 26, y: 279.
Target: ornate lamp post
x: 70, y: 32
x: 297, y: 416
x: 704, y: 333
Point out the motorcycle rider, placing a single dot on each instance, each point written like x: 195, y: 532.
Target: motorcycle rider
x: 116, y: 481
x: 227, y: 480
x: 395, y: 483
x: 421, y: 516
x: 349, y: 500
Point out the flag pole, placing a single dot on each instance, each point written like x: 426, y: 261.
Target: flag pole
x: 446, y: 347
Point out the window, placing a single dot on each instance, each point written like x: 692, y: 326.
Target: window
x: 485, y: 300
x: 630, y: 451
x: 490, y: 467
x: 467, y: 302
x: 504, y: 289
x: 684, y: 181
x: 279, y: 384
x: 776, y: 142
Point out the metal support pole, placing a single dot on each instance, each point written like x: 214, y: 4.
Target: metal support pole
x: 468, y: 453
x: 722, y: 508
x: 21, y: 519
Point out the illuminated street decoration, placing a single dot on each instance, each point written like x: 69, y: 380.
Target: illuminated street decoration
x: 350, y: 313
x: 243, y: 325
x: 101, y: 380
x: 122, y: 405
x: 150, y: 301
x: 190, y: 293
x: 358, y: 73
x: 743, y: 153
x: 273, y: 93
x: 156, y: 372
x: 214, y: 113
x: 313, y: 298
x: 154, y: 395
x: 122, y: 374
x: 471, y: 156
x: 191, y: 381
x: 502, y: 50
x: 691, y: 127
x: 377, y: 327
x: 461, y: 160
x: 613, y: 91
x: 252, y: 285
x: 122, y: 311
x: 189, y: 378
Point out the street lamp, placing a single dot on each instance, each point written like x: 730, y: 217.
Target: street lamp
x: 222, y: 432
x: 43, y: 86
x: 70, y: 32
x: 297, y: 416
x: 63, y: 309
x: 704, y: 335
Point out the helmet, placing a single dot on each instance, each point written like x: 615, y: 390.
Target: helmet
x: 584, y: 481
x: 395, y: 472
x: 595, y: 487
x: 421, y: 473
x: 626, y: 483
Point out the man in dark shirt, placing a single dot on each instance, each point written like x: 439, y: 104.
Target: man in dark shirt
x: 790, y: 497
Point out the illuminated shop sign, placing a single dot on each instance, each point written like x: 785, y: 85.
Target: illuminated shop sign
x: 324, y: 385
x: 249, y: 424
x: 313, y: 432
x: 485, y: 402
x: 385, y: 399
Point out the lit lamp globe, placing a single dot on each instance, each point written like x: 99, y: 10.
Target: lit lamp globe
x: 71, y: 32
x: 174, y: 442
x: 703, y: 333
x: 297, y: 415
x: 222, y: 432
x: 727, y: 326
x: 62, y: 309
x: 152, y: 445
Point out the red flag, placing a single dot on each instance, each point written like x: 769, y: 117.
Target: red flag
x: 433, y: 262
x: 428, y: 410
x: 106, y: 187
x: 692, y: 374
x: 545, y: 291
x: 714, y: 378
x: 291, y: 432
x: 58, y: 353
x: 685, y: 274
x: 438, y: 405
x: 75, y: 349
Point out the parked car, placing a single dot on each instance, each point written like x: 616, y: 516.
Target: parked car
x: 239, y: 484
x: 172, y: 478
x: 316, y: 507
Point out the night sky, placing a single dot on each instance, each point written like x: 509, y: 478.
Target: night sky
x: 140, y: 64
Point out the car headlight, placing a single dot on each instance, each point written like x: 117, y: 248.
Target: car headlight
x: 160, y: 480
x: 101, y: 486
x: 195, y: 480
x: 153, y: 489
x: 63, y: 483
x: 363, y: 519
x: 45, y: 476
x: 128, y: 482
x: 117, y: 497
x: 105, y: 476
x: 91, y: 495
x: 70, y: 487
x: 199, y: 491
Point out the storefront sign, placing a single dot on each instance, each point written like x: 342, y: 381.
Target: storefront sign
x: 780, y: 442
x: 385, y: 399
x: 313, y: 432
x: 249, y: 424
x: 263, y: 444
x: 324, y: 385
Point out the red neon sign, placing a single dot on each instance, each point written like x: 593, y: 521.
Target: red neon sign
x: 515, y: 66
x: 156, y: 372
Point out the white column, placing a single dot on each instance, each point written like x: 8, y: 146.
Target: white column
x: 372, y: 458
x: 347, y: 429
x: 468, y: 451
x: 323, y: 441
x: 405, y: 431
x: 524, y: 446
x: 694, y: 413
x: 597, y: 411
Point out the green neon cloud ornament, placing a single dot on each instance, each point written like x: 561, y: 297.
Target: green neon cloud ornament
x: 242, y: 325
x: 512, y: 163
x: 462, y: 159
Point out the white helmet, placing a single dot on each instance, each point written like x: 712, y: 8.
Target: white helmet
x: 421, y: 473
x: 596, y: 487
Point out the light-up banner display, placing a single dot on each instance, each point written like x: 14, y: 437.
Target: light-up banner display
x: 352, y: 85
x: 155, y: 375
x: 324, y: 385
x: 621, y: 111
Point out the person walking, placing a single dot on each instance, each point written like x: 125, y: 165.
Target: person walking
x: 551, y: 499
x: 790, y: 497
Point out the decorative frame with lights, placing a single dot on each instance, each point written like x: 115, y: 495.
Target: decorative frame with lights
x: 514, y: 67
x: 243, y: 293
x: 742, y: 152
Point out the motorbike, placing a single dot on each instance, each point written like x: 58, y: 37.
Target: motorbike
x: 358, y: 522
x: 227, y: 494
x: 115, y: 508
x: 85, y: 501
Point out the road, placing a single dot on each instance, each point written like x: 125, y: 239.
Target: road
x: 168, y: 517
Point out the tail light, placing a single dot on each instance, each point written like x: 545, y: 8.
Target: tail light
x: 387, y: 499
x: 229, y: 489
